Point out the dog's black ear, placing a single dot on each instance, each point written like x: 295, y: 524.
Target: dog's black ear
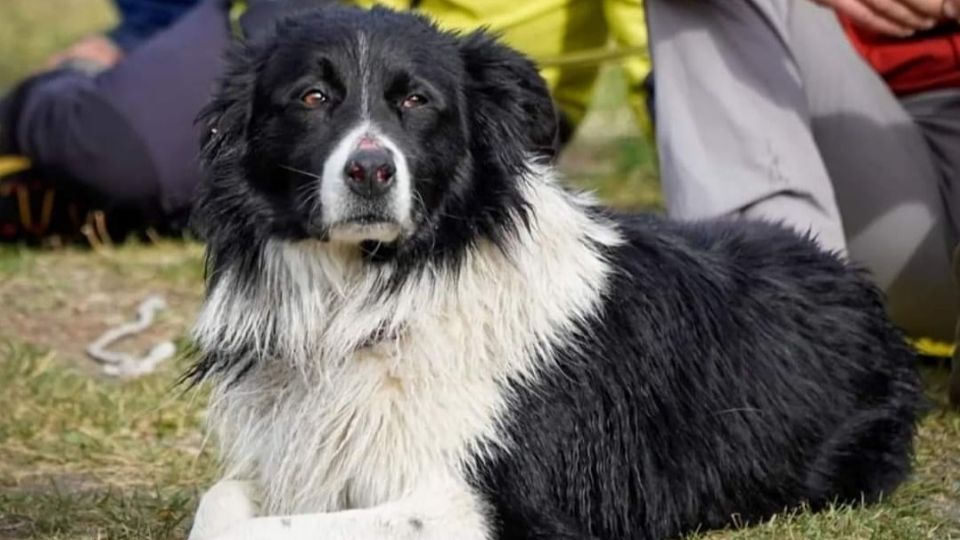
x: 512, y: 113
x: 225, y: 120
x: 224, y: 125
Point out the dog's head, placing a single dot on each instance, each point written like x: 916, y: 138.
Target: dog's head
x: 370, y: 128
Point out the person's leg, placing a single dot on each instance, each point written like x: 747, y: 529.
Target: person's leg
x: 938, y: 115
x: 885, y: 177
x: 733, y: 129
x: 127, y: 135
x: 764, y: 110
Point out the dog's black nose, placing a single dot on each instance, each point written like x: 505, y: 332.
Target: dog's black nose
x: 370, y: 172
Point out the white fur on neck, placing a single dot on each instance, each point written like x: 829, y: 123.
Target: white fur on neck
x: 324, y: 424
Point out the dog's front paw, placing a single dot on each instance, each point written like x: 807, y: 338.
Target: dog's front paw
x: 222, y: 507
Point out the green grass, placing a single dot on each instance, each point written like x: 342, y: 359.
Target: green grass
x: 30, y: 30
x: 83, y: 456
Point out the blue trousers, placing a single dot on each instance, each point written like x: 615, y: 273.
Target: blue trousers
x: 126, y: 137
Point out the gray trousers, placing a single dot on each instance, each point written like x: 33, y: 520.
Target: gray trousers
x: 764, y: 110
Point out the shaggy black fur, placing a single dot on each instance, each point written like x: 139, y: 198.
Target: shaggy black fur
x: 736, y: 371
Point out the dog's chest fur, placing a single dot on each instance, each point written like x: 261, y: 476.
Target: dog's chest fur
x: 335, y: 422
x: 366, y: 433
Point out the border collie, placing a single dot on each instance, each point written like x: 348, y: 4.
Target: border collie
x: 414, y: 331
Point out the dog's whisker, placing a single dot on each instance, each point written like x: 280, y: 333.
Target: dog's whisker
x: 301, y: 171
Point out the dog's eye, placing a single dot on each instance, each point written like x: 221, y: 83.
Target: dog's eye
x: 413, y: 101
x: 313, y: 98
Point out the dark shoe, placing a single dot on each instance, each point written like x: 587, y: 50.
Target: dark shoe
x: 32, y: 210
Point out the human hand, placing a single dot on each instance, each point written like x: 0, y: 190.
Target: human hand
x: 951, y: 9
x: 97, y: 49
x: 900, y: 18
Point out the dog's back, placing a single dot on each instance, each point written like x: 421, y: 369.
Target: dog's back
x: 735, y: 370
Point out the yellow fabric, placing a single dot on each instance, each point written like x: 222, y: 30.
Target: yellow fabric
x: 930, y: 347
x: 549, y: 29
x: 628, y: 29
x: 237, y: 9
x: 12, y: 165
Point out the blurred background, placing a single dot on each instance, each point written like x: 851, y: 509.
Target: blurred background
x: 609, y: 155
x: 31, y: 30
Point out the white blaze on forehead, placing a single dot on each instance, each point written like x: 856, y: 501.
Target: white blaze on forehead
x: 363, y: 56
x: 339, y: 203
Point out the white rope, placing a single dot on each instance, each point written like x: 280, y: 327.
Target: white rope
x: 117, y: 364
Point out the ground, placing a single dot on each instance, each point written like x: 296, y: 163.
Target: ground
x: 84, y: 456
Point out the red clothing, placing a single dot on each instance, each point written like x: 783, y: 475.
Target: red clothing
x: 927, y: 61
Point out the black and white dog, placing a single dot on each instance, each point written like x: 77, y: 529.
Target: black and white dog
x: 415, y: 332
